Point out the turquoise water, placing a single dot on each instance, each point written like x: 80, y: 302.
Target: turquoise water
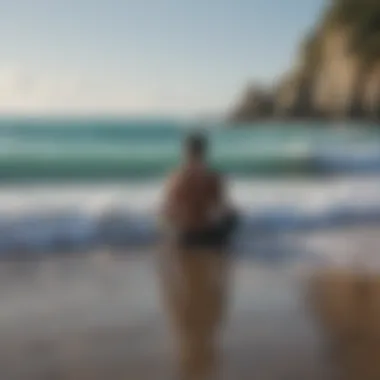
x: 114, y: 149
x: 124, y: 161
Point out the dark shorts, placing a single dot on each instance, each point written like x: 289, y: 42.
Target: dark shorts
x: 201, y: 239
x: 214, y: 237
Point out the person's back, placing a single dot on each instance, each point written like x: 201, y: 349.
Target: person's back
x: 195, y: 193
x: 195, y: 273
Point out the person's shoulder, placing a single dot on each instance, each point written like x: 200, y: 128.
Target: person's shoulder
x: 176, y: 177
x: 172, y: 177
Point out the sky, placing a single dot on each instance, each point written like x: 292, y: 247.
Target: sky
x: 144, y: 56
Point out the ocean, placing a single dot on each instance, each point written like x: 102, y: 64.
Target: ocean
x: 105, y: 149
x: 70, y: 184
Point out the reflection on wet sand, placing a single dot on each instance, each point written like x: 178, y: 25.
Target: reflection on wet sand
x: 346, y: 304
x: 100, y: 316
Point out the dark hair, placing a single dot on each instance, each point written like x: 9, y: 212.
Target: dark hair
x: 196, y: 144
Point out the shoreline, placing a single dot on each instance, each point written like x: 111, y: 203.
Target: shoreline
x: 99, y: 315
x: 81, y: 316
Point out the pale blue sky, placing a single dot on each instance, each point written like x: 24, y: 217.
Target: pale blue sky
x: 136, y: 56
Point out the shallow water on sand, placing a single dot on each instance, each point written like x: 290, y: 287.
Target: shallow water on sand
x: 101, y: 317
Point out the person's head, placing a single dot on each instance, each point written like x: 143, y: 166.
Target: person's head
x: 195, y: 147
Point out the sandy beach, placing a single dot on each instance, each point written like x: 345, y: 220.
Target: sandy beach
x: 99, y: 316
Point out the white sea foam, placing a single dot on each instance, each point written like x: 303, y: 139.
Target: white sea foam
x: 40, y: 218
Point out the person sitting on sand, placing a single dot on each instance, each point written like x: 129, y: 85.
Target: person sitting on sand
x: 196, y: 266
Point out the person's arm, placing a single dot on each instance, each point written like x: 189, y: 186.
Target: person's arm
x: 220, y: 195
x: 171, y: 205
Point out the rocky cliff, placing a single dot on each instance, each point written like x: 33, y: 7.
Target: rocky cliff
x: 336, y: 74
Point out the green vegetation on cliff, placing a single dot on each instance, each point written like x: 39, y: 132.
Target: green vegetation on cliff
x: 361, y: 19
x: 337, y: 73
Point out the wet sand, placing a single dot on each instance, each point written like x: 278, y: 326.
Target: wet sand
x: 99, y: 316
